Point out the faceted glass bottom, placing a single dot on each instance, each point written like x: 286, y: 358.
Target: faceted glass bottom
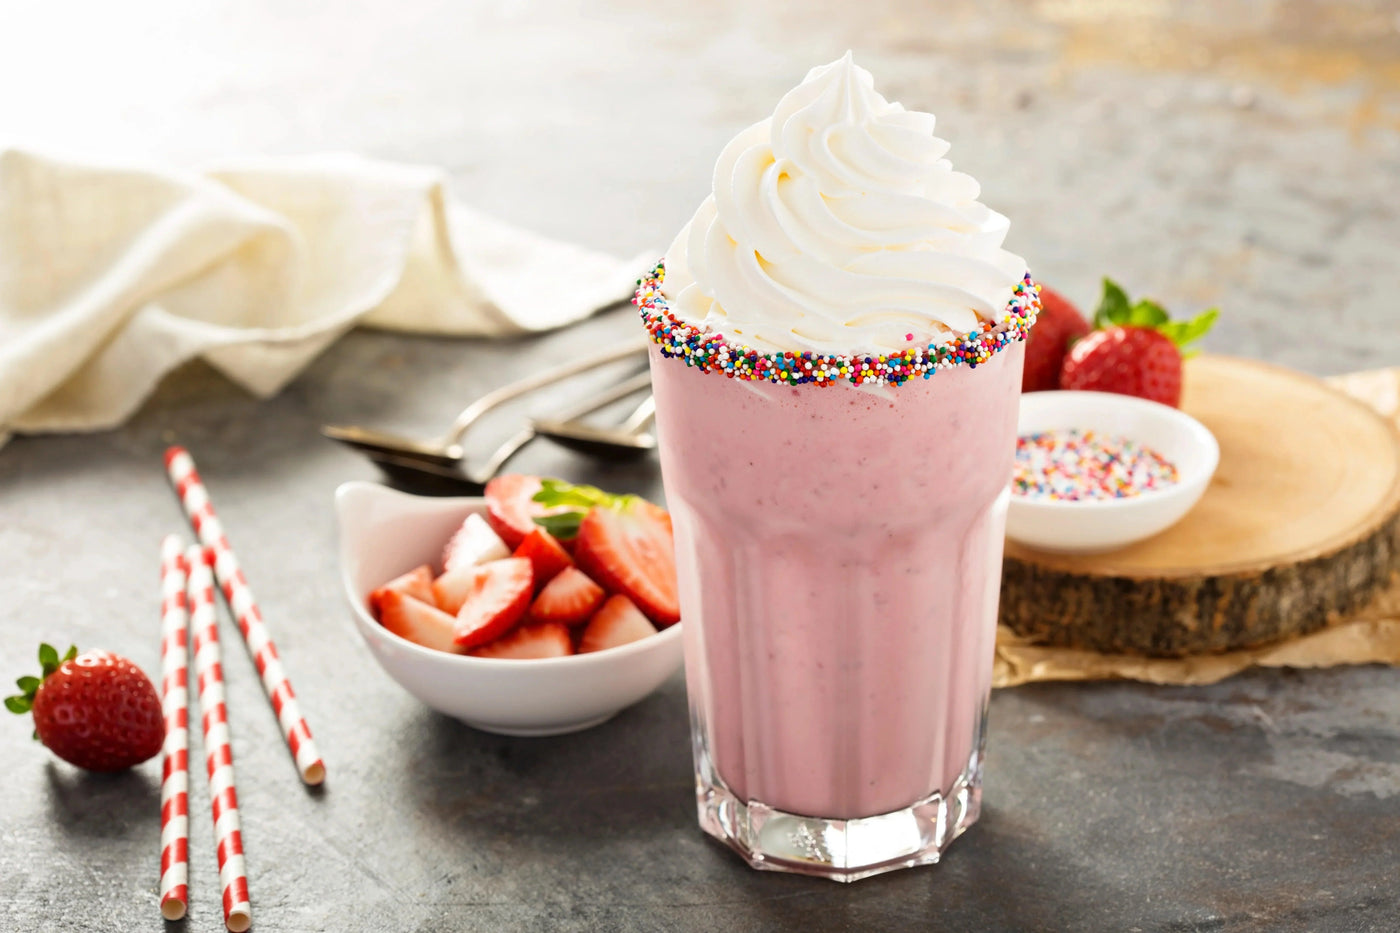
x: 838, y: 849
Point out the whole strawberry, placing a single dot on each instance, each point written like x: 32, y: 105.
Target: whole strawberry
x: 96, y: 710
x: 1136, y: 350
x: 1056, y: 329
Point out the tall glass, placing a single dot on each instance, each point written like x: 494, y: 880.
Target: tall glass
x: 839, y: 556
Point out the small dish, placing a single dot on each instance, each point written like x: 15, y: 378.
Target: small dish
x: 384, y: 533
x: 1087, y: 526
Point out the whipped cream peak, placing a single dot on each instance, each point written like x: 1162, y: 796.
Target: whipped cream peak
x: 838, y: 225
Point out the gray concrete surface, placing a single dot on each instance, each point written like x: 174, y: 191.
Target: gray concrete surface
x: 1240, y: 153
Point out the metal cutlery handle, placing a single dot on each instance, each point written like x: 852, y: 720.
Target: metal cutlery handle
x: 490, y: 400
x: 641, y: 417
x: 526, y: 434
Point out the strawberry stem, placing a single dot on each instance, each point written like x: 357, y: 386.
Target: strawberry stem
x: 49, y: 661
x: 1116, y: 309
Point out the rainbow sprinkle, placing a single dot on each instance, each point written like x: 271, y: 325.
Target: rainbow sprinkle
x: 709, y: 351
x: 1074, y: 465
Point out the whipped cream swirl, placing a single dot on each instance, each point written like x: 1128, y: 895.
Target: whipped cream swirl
x: 838, y: 226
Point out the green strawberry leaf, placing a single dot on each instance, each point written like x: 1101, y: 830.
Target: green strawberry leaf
x: 71, y: 653
x: 18, y: 705
x: 28, y: 685
x: 48, y: 658
x: 1147, y: 313
x: 1116, y: 309
x: 563, y: 525
x: 1184, y: 333
x: 1113, y: 306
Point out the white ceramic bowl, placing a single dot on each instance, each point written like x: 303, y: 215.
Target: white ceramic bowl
x: 384, y: 533
x: 1105, y: 524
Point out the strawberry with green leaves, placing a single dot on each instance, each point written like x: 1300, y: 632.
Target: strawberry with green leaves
x: 623, y: 542
x: 96, y: 710
x: 1135, y: 349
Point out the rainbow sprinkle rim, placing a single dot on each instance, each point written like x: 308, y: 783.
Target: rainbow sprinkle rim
x: 711, y: 352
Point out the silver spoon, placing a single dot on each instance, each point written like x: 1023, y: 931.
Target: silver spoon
x: 413, y: 471
x: 628, y: 440
x: 446, y: 451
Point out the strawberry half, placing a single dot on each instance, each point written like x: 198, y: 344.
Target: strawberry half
x: 619, y: 622
x: 420, y: 622
x: 96, y: 710
x: 628, y: 548
x: 1057, y: 327
x: 545, y: 554
x: 548, y: 640
x: 472, y: 544
x: 570, y: 598
x: 511, y: 507
x: 500, y: 594
x: 1138, y: 349
x: 417, y: 583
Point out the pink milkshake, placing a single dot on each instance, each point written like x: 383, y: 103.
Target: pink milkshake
x: 837, y: 363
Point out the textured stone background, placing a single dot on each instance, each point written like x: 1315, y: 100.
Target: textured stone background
x: 1245, y: 154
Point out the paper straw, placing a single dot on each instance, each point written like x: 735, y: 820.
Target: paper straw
x: 174, y: 704
x: 200, y: 510
x: 218, y: 755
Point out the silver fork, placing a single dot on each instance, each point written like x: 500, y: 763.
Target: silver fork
x: 445, y: 452
x: 411, y: 470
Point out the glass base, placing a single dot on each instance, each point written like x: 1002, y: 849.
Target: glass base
x: 840, y: 850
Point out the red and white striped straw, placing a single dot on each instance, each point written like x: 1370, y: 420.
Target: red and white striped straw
x: 174, y: 704
x: 195, y: 499
x: 218, y: 754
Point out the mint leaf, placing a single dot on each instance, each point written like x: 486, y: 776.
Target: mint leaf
x: 556, y: 493
x: 18, y: 705
x: 1113, y: 306
x: 563, y: 525
x: 1147, y: 313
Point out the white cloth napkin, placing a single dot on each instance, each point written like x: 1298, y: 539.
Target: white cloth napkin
x: 111, y: 277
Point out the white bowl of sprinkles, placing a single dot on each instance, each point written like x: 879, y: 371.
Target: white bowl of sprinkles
x: 1096, y: 471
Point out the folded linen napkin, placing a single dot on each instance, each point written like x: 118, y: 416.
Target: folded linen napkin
x: 110, y: 277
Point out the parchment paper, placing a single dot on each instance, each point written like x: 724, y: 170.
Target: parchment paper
x: 1370, y: 636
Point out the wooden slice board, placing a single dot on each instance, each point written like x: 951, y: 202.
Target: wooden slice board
x: 1300, y: 525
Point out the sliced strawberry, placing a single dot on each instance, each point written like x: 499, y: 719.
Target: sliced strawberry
x: 472, y: 544
x: 452, y: 588
x: 545, y: 554
x: 628, y: 549
x: 549, y: 640
x: 569, y: 598
x: 619, y: 622
x: 417, y: 621
x: 499, y: 596
x: 417, y: 583
x: 511, y: 508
